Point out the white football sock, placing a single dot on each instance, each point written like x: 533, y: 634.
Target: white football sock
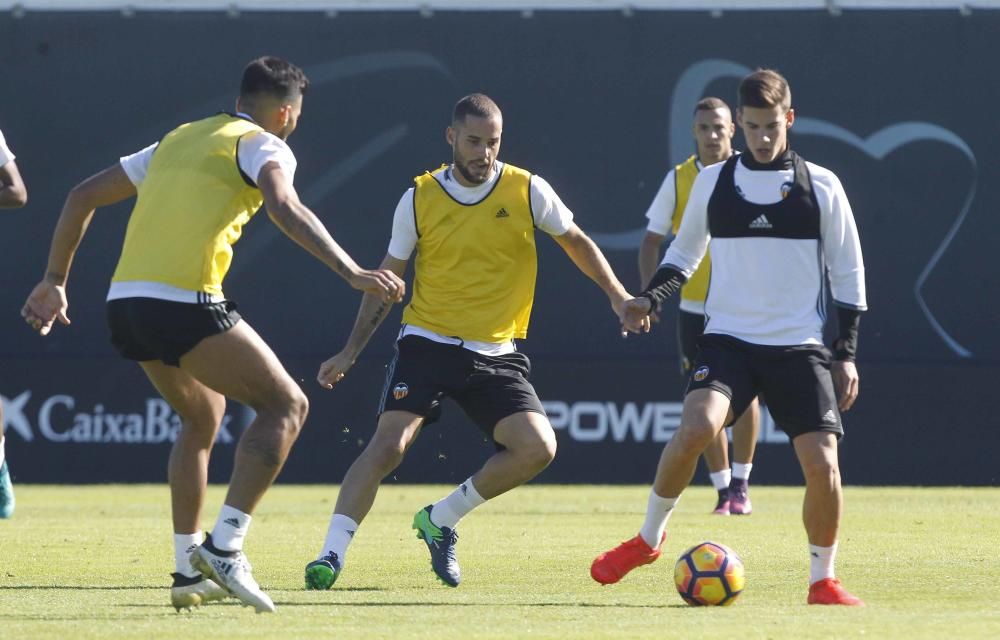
x: 230, y: 529
x: 821, y: 562
x: 447, y: 512
x: 742, y: 471
x: 658, y: 511
x: 184, y: 544
x: 720, y: 479
x: 339, y: 535
x: 1, y: 450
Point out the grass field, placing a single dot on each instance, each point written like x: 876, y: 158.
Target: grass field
x: 93, y: 562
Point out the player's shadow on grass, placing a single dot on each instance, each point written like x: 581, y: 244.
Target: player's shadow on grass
x: 42, y: 587
x: 602, y: 605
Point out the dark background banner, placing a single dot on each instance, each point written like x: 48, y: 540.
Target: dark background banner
x: 896, y: 103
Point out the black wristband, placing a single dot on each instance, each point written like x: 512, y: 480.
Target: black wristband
x: 845, y: 346
x: 666, y: 281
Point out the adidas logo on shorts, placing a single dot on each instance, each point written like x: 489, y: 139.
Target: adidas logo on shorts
x: 829, y: 417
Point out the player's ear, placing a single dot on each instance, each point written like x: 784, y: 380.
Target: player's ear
x: 789, y: 118
x: 450, y: 135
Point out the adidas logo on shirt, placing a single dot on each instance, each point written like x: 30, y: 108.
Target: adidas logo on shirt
x: 761, y: 222
x: 502, y: 213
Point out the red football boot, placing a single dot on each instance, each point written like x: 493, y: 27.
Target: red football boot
x: 829, y: 591
x: 612, y: 566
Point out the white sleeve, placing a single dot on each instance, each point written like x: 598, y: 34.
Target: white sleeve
x: 137, y: 164
x: 689, y: 247
x: 257, y: 150
x: 550, y: 214
x: 842, y: 247
x: 404, y: 228
x: 6, y: 155
x: 661, y: 211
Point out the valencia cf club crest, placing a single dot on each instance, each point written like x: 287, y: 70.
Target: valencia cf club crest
x: 786, y: 188
x: 700, y: 374
x: 400, y: 390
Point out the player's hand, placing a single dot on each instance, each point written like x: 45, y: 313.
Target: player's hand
x: 845, y: 383
x: 380, y: 282
x: 46, y: 304
x: 333, y: 370
x: 634, y: 315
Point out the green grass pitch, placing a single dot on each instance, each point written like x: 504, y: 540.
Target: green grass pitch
x: 93, y: 562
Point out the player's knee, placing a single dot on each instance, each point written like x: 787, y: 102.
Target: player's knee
x: 539, y: 454
x: 298, y: 407
x: 821, y: 471
x: 385, y: 452
x: 289, y: 409
x: 199, y: 426
x: 547, y: 449
x: 694, y: 437
x: 536, y: 450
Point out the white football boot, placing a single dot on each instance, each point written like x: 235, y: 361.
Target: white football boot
x: 232, y: 571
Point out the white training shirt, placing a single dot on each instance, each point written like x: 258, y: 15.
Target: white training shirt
x: 770, y: 290
x: 661, y: 222
x: 548, y: 210
x: 6, y: 155
x: 661, y: 211
x: 253, y: 153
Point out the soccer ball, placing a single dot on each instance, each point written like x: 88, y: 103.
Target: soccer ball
x: 709, y: 574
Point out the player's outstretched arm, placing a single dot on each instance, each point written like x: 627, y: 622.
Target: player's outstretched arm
x: 373, y: 311
x: 649, y: 260
x: 588, y: 258
x: 649, y: 256
x: 301, y: 225
x: 47, y: 301
x: 13, y: 193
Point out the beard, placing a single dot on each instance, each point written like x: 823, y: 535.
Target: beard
x: 463, y: 168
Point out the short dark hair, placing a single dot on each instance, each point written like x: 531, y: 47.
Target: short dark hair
x: 710, y: 104
x: 763, y: 89
x: 273, y: 77
x: 475, y: 104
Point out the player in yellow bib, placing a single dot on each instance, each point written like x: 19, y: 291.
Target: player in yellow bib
x: 13, y: 195
x: 472, y: 225
x: 166, y: 310
x: 713, y: 134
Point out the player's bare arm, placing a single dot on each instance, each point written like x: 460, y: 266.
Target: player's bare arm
x: 372, y: 312
x: 588, y: 258
x: 301, y: 225
x: 649, y: 256
x: 649, y: 259
x: 13, y: 193
x: 47, y: 301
